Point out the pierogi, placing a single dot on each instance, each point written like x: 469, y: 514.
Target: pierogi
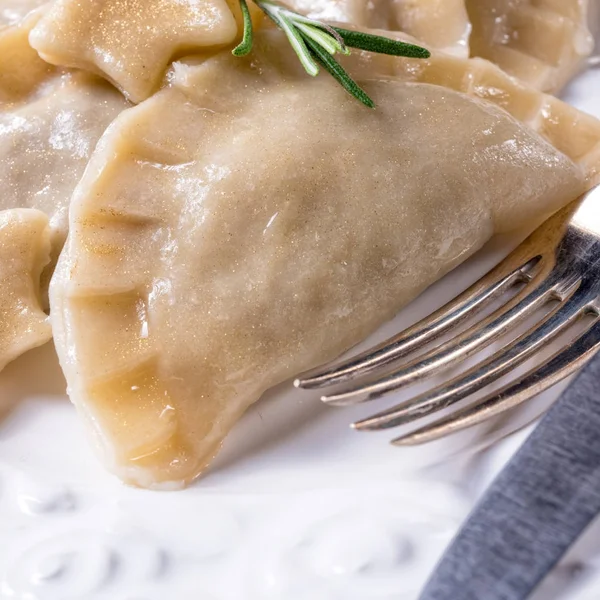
x: 24, y: 252
x: 247, y: 223
x: 50, y: 121
x: 45, y: 143
x: 542, y: 42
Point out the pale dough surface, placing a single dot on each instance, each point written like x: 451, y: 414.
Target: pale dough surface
x: 543, y: 42
x: 248, y: 223
x: 24, y: 252
x: 443, y: 24
x: 131, y: 42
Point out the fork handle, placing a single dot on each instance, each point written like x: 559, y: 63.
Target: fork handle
x: 535, y: 509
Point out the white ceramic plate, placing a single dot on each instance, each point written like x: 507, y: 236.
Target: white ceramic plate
x: 297, y: 506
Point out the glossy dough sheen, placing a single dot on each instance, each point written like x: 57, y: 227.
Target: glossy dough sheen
x: 51, y: 139
x: 443, y: 24
x: 24, y: 252
x: 22, y: 71
x: 131, y: 42
x: 50, y: 121
x: 571, y: 131
x: 242, y: 226
x: 543, y: 42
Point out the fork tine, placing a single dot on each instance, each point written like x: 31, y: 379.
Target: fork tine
x: 470, y: 302
x: 477, y: 337
x: 561, y: 365
x: 485, y: 372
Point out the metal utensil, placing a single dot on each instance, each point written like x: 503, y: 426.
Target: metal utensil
x: 534, y: 510
x: 559, y: 262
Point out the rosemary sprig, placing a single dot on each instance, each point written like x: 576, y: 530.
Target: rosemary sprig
x: 317, y: 43
x: 295, y: 38
x: 337, y: 71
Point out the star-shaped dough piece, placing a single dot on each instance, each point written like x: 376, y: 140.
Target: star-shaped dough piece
x: 24, y: 252
x: 131, y: 42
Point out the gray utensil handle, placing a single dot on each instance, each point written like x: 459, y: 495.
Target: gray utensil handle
x: 535, y: 509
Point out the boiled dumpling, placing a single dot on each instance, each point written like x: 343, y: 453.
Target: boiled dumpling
x: 131, y: 43
x: 45, y: 143
x: 24, y: 252
x: 571, y: 131
x: 248, y: 223
x: 440, y: 23
x: 50, y: 121
x: 543, y: 42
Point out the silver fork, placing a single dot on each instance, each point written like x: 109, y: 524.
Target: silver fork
x: 559, y: 262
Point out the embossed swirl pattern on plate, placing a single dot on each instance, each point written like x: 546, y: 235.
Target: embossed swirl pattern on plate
x: 355, y: 545
x: 322, y: 544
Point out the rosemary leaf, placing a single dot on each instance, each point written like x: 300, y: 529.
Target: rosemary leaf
x: 338, y: 72
x: 245, y: 46
x: 298, y: 18
x: 380, y: 44
x: 320, y: 37
x: 295, y: 39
